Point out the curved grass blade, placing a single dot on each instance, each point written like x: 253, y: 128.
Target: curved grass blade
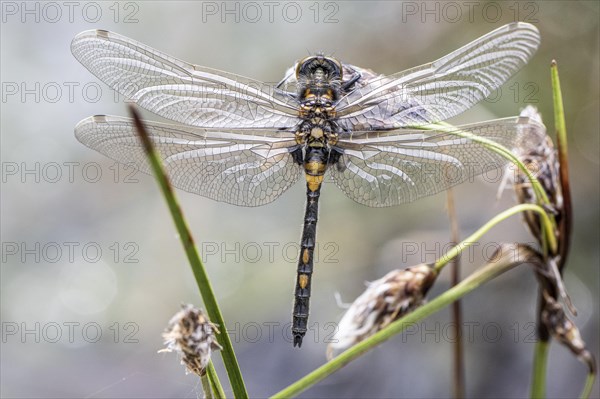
x: 212, y: 308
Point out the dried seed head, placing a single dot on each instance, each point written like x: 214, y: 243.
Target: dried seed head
x: 192, y: 335
x: 565, y: 331
x: 384, y: 300
x: 540, y: 157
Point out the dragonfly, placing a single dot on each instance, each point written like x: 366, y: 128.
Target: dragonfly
x: 374, y: 136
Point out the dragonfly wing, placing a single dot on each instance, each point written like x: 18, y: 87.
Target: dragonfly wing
x: 442, y: 89
x: 180, y: 91
x: 249, y: 169
x: 388, y: 168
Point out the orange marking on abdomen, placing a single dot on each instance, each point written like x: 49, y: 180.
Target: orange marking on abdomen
x: 303, y: 280
x: 305, y: 256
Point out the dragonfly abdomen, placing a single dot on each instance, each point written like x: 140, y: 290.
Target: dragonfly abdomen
x: 315, y: 165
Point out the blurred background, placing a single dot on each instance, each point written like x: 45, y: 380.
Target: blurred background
x: 92, y: 269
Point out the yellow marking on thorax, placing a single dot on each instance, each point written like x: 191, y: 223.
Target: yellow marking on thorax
x: 316, y: 133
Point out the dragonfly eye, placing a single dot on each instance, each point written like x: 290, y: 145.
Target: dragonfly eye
x: 337, y: 67
x: 302, y: 66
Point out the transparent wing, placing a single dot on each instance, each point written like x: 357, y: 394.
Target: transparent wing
x: 246, y: 170
x: 179, y: 91
x: 387, y: 168
x: 444, y: 88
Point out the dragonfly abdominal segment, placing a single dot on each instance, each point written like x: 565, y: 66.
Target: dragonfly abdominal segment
x: 374, y: 136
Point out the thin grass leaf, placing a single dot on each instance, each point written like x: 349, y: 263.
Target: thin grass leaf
x: 563, y: 159
x: 455, y: 251
x: 206, y: 291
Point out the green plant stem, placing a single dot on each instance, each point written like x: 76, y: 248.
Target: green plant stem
x: 443, y: 261
x: 467, y: 285
x: 540, y: 360
x: 215, y: 384
x: 210, y: 301
x: 589, y: 384
x: 206, y: 386
x: 540, y: 353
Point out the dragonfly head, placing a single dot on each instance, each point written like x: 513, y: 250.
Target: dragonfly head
x: 319, y: 78
x: 319, y: 68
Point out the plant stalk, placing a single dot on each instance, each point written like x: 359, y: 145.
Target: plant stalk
x: 210, y: 301
x: 458, y: 369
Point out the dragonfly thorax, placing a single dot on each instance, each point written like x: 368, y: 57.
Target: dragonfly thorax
x: 318, y: 128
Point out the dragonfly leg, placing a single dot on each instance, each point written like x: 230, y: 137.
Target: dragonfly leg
x: 355, y: 78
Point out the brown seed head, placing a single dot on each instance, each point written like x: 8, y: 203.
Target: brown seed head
x: 540, y: 157
x: 192, y: 335
x: 384, y: 300
x: 565, y: 331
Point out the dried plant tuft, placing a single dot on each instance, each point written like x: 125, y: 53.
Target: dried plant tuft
x: 385, y: 300
x: 540, y: 157
x: 192, y: 335
x: 565, y: 331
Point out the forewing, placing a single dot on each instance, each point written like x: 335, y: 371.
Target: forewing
x: 444, y: 88
x: 388, y: 168
x: 180, y: 91
x: 249, y: 169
